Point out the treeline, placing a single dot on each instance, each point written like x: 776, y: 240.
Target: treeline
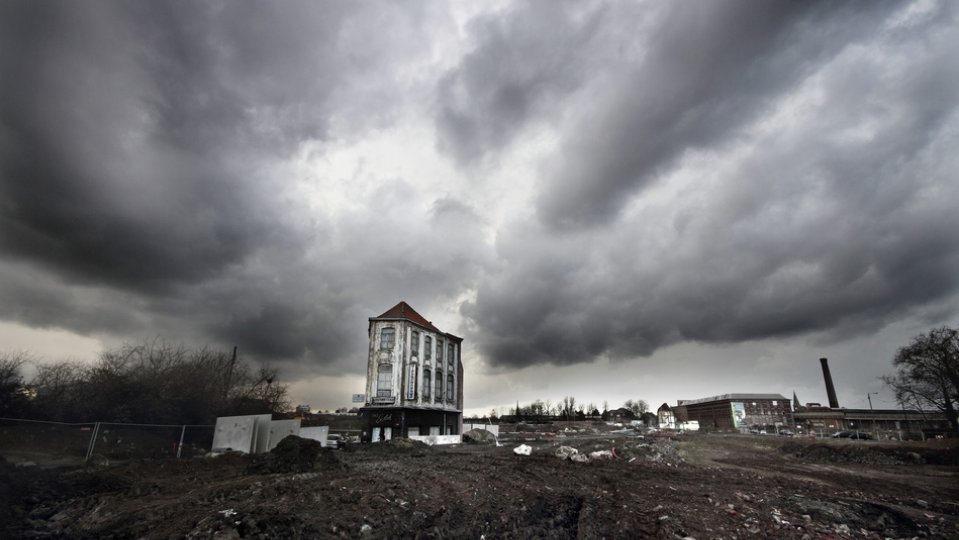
x: 152, y: 382
x: 568, y: 408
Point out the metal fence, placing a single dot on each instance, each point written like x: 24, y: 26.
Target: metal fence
x: 58, y: 442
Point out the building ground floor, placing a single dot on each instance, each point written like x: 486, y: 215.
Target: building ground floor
x: 384, y: 423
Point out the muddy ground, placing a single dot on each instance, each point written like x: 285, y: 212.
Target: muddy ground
x: 699, y: 486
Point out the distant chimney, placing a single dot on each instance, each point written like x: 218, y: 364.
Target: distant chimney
x: 830, y: 389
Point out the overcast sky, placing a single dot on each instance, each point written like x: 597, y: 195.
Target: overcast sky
x: 610, y: 200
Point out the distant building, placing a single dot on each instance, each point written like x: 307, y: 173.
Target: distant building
x: 414, y: 377
x: 813, y: 418
x: 739, y: 412
x: 665, y: 416
x: 621, y: 414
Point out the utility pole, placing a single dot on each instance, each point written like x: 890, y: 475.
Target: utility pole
x: 229, y: 375
x: 869, y: 398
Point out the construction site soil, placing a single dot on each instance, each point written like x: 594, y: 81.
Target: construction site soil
x: 699, y: 486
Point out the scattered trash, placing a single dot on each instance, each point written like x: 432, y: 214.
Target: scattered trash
x: 566, y: 452
x: 523, y: 450
x: 601, y: 454
x: 579, y: 458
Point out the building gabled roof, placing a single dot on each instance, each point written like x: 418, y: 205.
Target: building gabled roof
x: 404, y: 311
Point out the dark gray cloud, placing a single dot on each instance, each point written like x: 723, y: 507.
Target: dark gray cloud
x: 826, y: 213
x: 141, y: 152
x: 133, y: 134
x: 703, y: 173
x: 646, y: 85
x: 523, y: 62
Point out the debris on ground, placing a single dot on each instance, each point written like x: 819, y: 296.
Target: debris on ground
x: 523, y: 450
x: 295, y: 454
x: 479, y: 436
x: 702, y: 486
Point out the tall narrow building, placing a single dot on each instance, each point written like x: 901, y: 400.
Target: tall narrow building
x: 414, y: 377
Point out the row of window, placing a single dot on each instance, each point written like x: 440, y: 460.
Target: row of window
x: 438, y: 385
x: 388, y: 339
x: 384, y: 383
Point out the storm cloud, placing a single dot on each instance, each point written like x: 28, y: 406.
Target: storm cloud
x: 560, y: 183
x: 809, y: 154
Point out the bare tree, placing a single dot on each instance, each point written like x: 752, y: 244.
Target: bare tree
x: 13, y: 389
x: 568, y: 406
x: 927, y: 373
x: 156, y: 382
x: 637, y: 407
x: 641, y: 407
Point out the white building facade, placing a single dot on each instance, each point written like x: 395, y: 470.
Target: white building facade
x: 414, y: 378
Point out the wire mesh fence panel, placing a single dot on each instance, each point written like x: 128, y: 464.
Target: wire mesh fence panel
x: 31, y: 440
x: 61, y: 443
x: 139, y: 441
x: 197, y: 440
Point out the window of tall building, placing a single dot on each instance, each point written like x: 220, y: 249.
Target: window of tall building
x: 439, y: 351
x: 438, y: 389
x: 387, y: 337
x: 384, y: 381
x: 428, y: 346
x: 427, y: 379
x: 415, y: 344
x: 449, y: 387
x: 451, y: 354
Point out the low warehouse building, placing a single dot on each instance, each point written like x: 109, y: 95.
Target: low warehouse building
x: 739, y: 412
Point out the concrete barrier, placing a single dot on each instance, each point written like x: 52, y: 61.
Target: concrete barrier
x: 317, y: 433
x: 433, y: 440
x: 280, y: 429
x: 492, y: 428
x: 245, y: 434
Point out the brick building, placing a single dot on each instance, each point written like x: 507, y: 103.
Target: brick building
x: 414, y: 377
x: 739, y: 412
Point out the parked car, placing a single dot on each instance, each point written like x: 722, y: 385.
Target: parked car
x: 841, y: 435
x: 786, y: 433
x: 334, y: 440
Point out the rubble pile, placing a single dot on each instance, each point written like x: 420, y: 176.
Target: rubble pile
x: 295, y: 454
x: 663, y: 451
x: 479, y: 436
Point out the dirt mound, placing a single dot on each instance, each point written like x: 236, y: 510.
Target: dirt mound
x: 295, y: 454
x: 395, y: 446
x: 853, y: 453
x: 479, y: 436
x: 855, y: 515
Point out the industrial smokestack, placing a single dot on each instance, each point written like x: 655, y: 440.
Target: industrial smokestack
x: 830, y: 389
